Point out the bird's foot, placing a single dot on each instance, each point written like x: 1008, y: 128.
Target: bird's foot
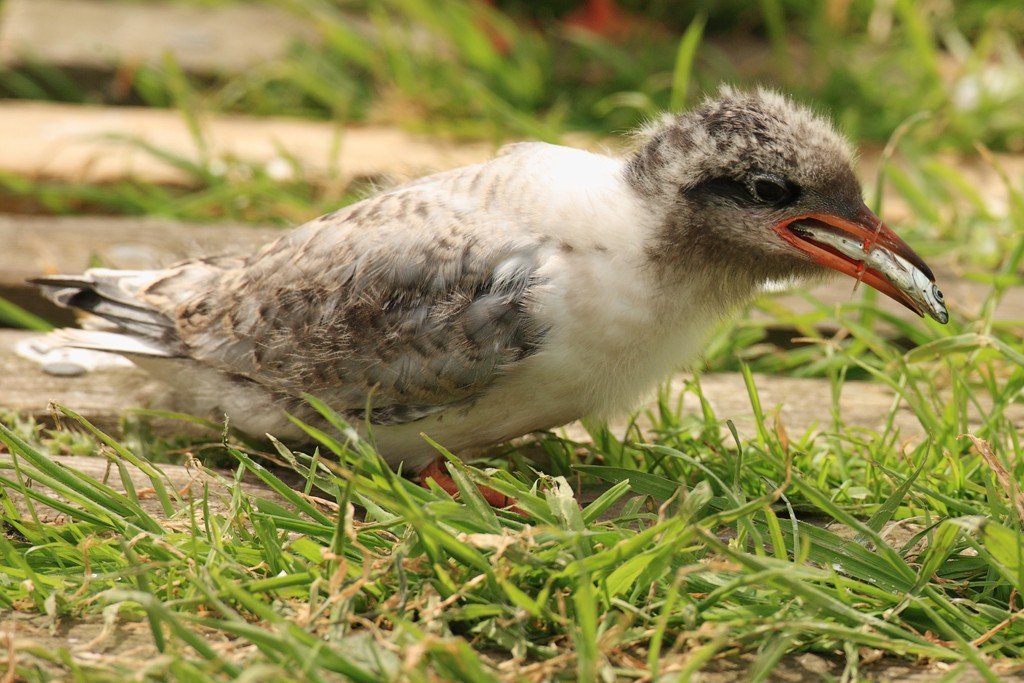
x: 439, y: 473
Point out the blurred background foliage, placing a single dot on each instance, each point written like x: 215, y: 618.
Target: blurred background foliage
x: 516, y: 68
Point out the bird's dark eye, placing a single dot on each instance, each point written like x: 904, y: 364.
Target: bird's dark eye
x: 771, y: 191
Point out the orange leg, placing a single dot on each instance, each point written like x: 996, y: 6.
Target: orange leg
x: 439, y: 473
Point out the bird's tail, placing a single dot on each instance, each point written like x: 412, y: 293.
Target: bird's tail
x: 112, y: 342
x: 120, y: 320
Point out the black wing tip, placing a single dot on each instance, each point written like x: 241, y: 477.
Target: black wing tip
x: 59, y: 281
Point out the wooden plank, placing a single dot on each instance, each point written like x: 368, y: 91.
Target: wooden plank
x: 74, y: 143
x: 102, y: 35
x: 84, y: 143
x: 49, y: 245
x: 188, y: 482
x: 56, y: 244
x: 103, y: 395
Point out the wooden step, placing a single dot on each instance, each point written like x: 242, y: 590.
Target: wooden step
x: 190, y: 484
x: 94, y: 144
x: 48, y: 245
x: 103, y: 396
x: 100, y: 35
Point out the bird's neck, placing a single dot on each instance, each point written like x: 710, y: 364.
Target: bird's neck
x: 684, y: 260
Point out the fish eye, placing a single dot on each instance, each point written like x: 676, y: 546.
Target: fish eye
x: 937, y: 293
x: 771, y: 190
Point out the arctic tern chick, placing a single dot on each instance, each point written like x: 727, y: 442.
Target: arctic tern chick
x: 490, y: 301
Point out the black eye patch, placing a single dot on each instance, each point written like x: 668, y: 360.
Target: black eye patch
x: 758, y: 190
x: 726, y: 188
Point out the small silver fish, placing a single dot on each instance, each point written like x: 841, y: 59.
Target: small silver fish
x: 897, y: 270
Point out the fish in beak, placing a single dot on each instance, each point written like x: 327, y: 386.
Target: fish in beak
x: 866, y: 249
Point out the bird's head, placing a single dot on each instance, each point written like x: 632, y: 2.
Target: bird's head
x: 751, y: 183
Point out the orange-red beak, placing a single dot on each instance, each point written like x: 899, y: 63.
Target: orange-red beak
x: 867, y: 228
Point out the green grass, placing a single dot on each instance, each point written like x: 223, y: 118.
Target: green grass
x: 700, y: 547
x: 697, y: 547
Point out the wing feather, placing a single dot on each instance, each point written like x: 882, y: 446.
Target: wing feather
x: 401, y: 301
x: 392, y: 309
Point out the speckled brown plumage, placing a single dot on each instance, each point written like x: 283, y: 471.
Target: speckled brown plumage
x: 488, y: 301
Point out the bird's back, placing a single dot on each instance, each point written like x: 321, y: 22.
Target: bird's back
x: 410, y: 303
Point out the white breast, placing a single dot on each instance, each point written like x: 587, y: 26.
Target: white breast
x: 613, y: 331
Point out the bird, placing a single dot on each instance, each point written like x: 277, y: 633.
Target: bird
x: 484, y: 303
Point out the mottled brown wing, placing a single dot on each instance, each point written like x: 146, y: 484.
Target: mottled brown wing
x: 399, y: 303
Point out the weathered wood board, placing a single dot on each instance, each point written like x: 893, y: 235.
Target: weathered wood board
x: 103, y: 396
x: 56, y: 244
x: 187, y: 482
x: 94, y: 34
x: 48, y: 245
x: 74, y: 143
